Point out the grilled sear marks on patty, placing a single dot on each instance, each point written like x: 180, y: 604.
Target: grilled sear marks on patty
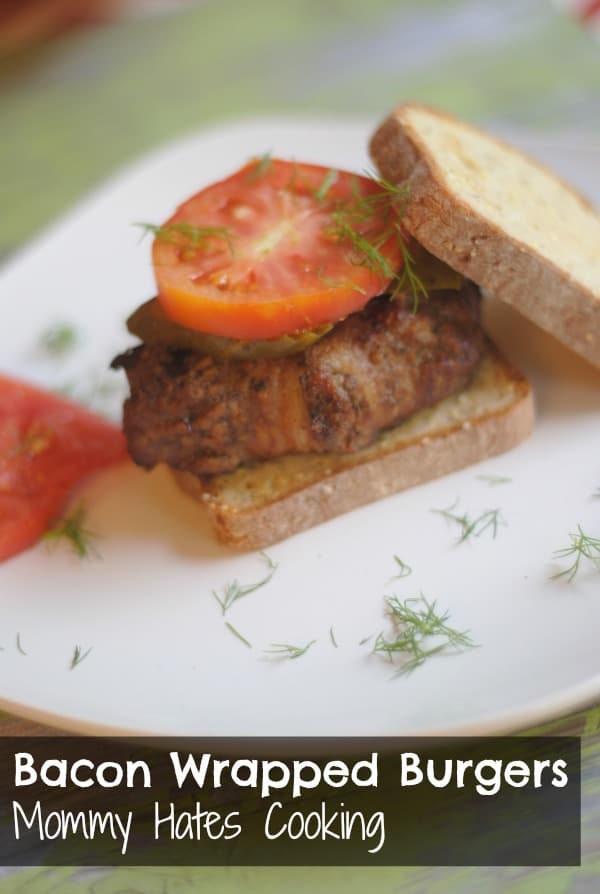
x: 373, y: 370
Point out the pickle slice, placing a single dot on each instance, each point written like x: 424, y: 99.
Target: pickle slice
x: 433, y: 273
x: 150, y: 323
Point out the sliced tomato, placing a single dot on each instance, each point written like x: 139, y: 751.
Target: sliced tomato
x: 47, y: 446
x: 275, y: 249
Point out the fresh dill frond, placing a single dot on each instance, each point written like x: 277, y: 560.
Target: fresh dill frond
x: 582, y: 547
x: 78, y: 656
x: 19, y: 645
x: 327, y: 280
x: 234, y: 590
x: 419, y: 632
x: 489, y: 520
x: 364, y: 252
x: 365, y: 639
x: 332, y: 638
x: 237, y: 634
x: 294, y: 177
x: 190, y: 236
x: 349, y: 220
x: 388, y: 198
x: 404, y: 570
x: 389, y: 201
x: 59, y: 340
x: 390, y: 193
x: 286, y: 650
x: 333, y: 284
x: 494, y: 480
x: 73, y: 531
x: 407, y: 275
x: 330, y: 178
x: 367, y: 253
x: 263, y: 165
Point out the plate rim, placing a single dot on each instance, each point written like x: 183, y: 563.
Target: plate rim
x: 537, y: 712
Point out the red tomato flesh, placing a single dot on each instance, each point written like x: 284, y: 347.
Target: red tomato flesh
x: 47, y: 446
x: 276, y: 262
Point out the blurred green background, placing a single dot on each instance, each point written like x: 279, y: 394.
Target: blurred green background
x: 92, y: 98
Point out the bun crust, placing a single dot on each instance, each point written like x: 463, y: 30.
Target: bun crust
x: 262, y: 504
x: 499, y: 218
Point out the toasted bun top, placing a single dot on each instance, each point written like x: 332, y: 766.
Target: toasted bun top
x: 498, y: 217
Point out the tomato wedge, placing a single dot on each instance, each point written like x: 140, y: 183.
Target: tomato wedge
x: 277, y: 248
x: 47, y: 445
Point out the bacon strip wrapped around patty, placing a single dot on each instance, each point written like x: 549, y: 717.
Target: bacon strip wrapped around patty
x: 372, y: 371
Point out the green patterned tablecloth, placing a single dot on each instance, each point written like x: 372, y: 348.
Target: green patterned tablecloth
x: 79, y: 107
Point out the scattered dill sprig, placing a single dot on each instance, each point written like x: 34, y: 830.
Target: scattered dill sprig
x: 263, y: 165
x: 494, y: 480
x: 78, y: 656
x: 285, y: 650
x: 420, y: 632
x: 59, y: 340
x: 234, y: 590
x: 596, y: 494
x: 404, y: 570
x: 237, y: 634
x: 191, y: 236
x: 72, y: 530
x: 332, y: 638
x: 19, y: 646
x: 365, y: 639
x: 489, y: 520
x: 582, y: 547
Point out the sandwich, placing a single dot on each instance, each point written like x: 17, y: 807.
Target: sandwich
x: 316, y: 340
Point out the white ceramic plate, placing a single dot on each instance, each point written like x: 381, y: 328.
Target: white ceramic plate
x: 162, y: 660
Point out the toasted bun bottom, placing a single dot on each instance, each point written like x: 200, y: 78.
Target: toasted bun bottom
x: 258, y: 505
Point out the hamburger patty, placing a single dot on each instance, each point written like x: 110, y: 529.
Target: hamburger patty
x: 373, y: 370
